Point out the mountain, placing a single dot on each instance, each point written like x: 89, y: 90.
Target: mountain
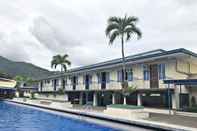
x: 13, y: 68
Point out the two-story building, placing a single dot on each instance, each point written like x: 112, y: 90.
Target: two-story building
x: 100, y: 84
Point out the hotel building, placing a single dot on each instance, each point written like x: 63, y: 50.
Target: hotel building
x: 100, y: 84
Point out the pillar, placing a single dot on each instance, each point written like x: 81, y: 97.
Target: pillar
x: 174, y: 103
x: 113, y: 98
x: 139, y: 100
x: 124, y: 100
x: 81, y: 98
x: 86, y: 97
x: 95, y: 101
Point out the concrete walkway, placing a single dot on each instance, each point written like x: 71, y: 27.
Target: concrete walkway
x: 174, y: 119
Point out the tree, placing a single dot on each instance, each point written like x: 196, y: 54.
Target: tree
x: 22, y: 81
x: 62, y: 61
x: 123, y: 28
x: 127, y: 91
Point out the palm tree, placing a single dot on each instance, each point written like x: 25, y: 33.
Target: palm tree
x: 123, y: 28
x: 62, y: 61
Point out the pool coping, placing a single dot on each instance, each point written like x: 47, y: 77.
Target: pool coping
x: 137, y: 123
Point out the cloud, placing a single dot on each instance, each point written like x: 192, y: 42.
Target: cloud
x: 13, y: 49
x: 50, y: 37
x: 39, y: 29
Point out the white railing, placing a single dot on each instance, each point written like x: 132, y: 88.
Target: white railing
x: 111, y: 85
x: 94, y: 86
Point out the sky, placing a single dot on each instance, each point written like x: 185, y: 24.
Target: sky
x: 35, y: 30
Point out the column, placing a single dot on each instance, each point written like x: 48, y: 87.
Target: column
x: 86, y: 97
x: 95, y: 101
x: 81, y: 98
x: 174, y: 103
x: 139, y: 101
x: 124, y: 100
x: 114, y: 98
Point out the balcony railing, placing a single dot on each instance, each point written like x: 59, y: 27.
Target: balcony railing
x: 94, y: 86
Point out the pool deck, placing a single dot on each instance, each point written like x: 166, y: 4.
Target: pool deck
x: 155, y: 122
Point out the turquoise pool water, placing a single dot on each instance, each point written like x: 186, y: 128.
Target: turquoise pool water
x: 19, y: 118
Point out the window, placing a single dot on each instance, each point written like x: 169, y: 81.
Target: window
x: 90, y: 79
x: 161, y: 71
x: 146, y: 72
x: 76, y: 80
x: 48, y: 81
x: 129, y: 75
x: 57, y: 82
x: 107, y: 77
x: 84, y: 79
x: 66, y: 81
x: 98, y: 77
x: 119, y: 75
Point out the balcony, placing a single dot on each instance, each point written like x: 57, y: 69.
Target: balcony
x: 112, y: 85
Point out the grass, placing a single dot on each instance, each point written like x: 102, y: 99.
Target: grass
x: 125, y: 106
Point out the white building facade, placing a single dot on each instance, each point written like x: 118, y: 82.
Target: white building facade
x: 100, y: 84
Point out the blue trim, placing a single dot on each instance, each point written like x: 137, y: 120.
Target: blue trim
x: 161, y: 70
x: 181, y: 82
x: 146, y: 72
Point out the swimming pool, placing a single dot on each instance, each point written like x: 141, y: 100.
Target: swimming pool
x: 19, y: 118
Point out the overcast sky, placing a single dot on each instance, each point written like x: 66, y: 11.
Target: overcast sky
x: 35, y: 30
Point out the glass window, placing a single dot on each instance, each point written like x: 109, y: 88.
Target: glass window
x: 161, y: 68
x: 57, y: 82
x: 98, y: 77
x: 119, y: 75
x: 129, y: 75
x: 146, y: 72
x: 84, y: 79
x: 76, y: 80
x: 90, y: 79
x: 107, y: 77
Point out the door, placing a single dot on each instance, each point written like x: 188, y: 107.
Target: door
x: 154, y: 81
x: 41, y: 85
x: 55, y: 84
x: 87, y: 82
x: 74, y: 82
x: 103, y: 80
x: 184, y: 100
x: 63, y: 83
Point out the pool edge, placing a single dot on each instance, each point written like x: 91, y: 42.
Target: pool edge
x: 106, y: 118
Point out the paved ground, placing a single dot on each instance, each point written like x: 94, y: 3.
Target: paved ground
x: 174, y: 119
x: 89, y: 108
x: 164, y: 117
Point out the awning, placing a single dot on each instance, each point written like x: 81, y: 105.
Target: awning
x: 154, y: 90
x: 6, y: 88
x: 29, y: 89
x: 181, y: 82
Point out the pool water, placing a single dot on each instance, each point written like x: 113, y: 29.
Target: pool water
x: 19, y: 118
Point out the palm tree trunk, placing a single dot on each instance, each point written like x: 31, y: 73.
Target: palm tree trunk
x: 62, y: 76
x: 123, y: 67
x: 123, y: 59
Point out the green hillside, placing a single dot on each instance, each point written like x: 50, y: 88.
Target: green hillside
x: 13, y: 68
